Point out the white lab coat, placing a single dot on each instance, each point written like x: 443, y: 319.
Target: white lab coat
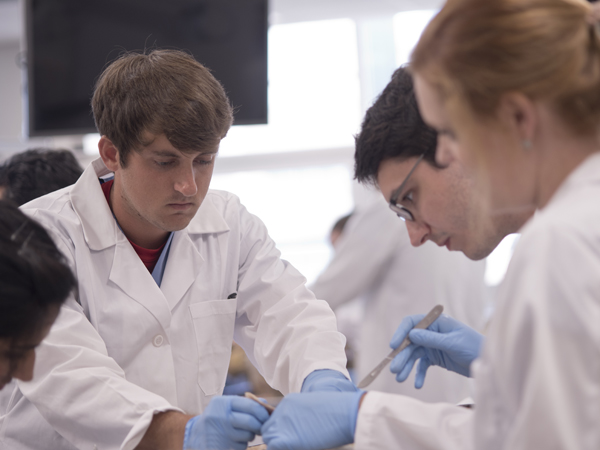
x: 127, y: 348
x: 538, y: 380
x: 375, y: 260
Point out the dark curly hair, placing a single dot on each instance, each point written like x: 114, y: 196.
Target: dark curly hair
x: 36, y: 172
x: 392, y: 128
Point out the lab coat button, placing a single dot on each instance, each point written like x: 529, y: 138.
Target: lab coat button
x: 158, y: 340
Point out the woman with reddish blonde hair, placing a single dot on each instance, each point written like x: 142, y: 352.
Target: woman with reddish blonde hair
x: 512, y: 88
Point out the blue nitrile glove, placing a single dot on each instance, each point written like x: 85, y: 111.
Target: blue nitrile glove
x: 317, y: 420
x: 446, y: 343
x: 228, y: 423
x: 327, y: 380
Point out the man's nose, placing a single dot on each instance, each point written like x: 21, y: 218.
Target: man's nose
x: 418, y: 233
x: 186, y: 182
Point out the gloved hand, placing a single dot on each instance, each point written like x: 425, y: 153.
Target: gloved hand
x: 312, y: 421
x: 228, y: 423
x: 327, y: 380
x: 446, y: 343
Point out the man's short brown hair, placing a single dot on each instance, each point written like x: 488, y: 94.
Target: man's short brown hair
x: 160, y: 92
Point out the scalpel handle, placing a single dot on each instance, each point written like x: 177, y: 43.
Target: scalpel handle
x: 427, y: 320
x: 251, y: 396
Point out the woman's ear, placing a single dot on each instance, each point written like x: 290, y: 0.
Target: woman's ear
x: 519, y: 112
x: 109, y: 154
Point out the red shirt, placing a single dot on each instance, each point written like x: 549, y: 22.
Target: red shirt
x: 148, y: 256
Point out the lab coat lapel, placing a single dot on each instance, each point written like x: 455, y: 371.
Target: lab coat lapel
x: 101, y: 233
x: 131, y: 276
x: 183, y: 267
x: 99, y: 227
x: 185, y: 258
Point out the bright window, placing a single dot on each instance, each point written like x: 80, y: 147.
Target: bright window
x: 314, y: 91
x: 408, y: 27
x: 298, y: 206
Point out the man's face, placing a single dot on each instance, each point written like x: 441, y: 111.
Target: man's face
x: 444, y: 206
x: 160, y: 190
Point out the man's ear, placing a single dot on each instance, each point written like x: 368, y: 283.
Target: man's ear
x: 109, y: 154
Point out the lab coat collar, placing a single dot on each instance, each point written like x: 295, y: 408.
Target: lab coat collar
x: 141, y: 287
x: 208, y: 219
x: 100, y: 228
x: 588, y: 172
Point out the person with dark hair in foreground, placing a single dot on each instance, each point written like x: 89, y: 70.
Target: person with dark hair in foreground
x: 170, y: 273
x: 34, y: 282
x: 36, y: 172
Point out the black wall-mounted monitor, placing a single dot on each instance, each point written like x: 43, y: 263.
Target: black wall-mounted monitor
x: 70, y: 42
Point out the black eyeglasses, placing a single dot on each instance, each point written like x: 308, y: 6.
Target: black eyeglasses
x: 402, y: 212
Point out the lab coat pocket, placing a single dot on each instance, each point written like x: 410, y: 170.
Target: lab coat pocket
x: 213, y: 324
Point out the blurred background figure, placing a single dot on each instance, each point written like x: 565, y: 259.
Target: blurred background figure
x: 36, y: 172
x: 375, y: 263
x: 338, y: 228
x: 350, y: 314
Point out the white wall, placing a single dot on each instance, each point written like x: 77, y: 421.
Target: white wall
x: 10, y: 92
x: 282, y: 11
x: 10, y: 75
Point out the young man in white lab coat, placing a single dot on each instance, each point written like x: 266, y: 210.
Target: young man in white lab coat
x: 169, y: 274
x: 438, y: 203
x: 374, y: 260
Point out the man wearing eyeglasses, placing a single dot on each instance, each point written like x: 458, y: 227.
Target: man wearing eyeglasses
x: 375, y: 261
x: 438, y: 203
